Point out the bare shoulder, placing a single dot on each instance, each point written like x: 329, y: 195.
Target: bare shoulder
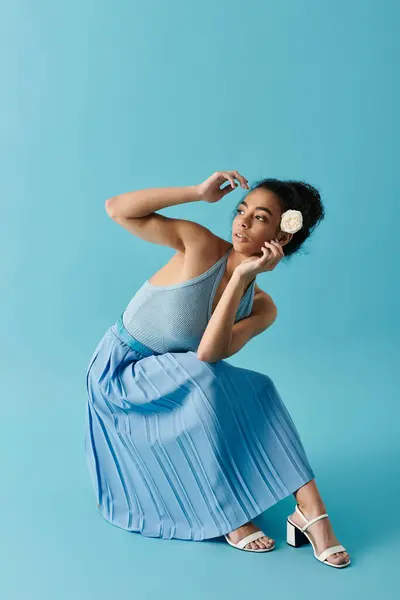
x: 199, y: 254
x: 202, y: 251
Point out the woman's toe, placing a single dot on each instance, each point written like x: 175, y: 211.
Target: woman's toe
x: 260, y: 544
x: 333, y: 559
x: 346, y: 558
x: 265, y: 542
x: 337, y: 558
x: 251, y: 546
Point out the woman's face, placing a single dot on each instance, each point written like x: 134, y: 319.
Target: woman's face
x: 258, y: 219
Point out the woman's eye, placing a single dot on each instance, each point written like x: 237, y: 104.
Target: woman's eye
x: 238, y: 210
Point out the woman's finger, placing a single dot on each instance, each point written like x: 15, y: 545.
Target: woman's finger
x: 267, y: 250
x: 223, y: 177
x: 230, y: 178
x: 267, y: 255
x: 240, y: 178
x: 278, y: 247
x: 275, y: 257
x: 280, y: 253
x: 266, y: 260
x: 273, y: 248
x: 227, y: 189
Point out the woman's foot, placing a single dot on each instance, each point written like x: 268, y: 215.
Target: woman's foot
x: 240, y: 533
x: 320, y: 532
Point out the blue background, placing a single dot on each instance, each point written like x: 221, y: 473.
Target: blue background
x: 100, y: 98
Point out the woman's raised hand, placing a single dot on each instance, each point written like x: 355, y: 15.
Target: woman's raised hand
x: 272, y: 254
x: 210, y: 189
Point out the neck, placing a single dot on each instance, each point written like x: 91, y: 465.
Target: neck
x: 235, y: 258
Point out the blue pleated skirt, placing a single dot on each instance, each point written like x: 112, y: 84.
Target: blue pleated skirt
x: 181, y: 448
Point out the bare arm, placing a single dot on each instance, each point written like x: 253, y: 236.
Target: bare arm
x: 140, y: 203
x: 136, y: 211
x: 222, y: 336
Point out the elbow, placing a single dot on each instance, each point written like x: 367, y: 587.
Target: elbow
x: 110, y: 207
x: 201, y: 356
x: 208, y: 357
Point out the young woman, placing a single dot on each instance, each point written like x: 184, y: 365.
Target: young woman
x: 179, y: 442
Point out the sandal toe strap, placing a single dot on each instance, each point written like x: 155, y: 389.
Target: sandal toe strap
x: 250, y: 538
x: 331, y: 550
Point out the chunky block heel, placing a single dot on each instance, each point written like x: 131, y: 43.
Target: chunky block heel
x: 294, y: 536
x: 297, y: 536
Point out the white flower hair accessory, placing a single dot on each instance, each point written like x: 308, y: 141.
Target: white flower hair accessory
x: 291, y: 221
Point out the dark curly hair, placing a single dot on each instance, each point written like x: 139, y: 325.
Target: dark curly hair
x: 295, y: 195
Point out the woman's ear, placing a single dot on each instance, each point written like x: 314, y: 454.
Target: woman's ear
x: 284, y: 238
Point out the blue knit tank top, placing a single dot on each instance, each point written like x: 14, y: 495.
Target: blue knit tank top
x: 172, y: 318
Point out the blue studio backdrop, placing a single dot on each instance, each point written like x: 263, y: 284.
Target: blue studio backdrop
x: 103, y: 97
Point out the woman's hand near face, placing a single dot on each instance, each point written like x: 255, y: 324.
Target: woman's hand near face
x: 210, y: 189
x: 254, y: 265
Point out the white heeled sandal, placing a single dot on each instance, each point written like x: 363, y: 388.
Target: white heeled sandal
x: 297, y: 536
x: 250, y: 538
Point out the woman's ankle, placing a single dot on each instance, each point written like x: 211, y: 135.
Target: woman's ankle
x: 312, y: 509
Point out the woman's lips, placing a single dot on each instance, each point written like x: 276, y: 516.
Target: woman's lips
x: 241, y: 239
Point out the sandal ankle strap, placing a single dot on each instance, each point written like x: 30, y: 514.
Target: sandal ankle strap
x: 324, y: 516
x: 311, y: 521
